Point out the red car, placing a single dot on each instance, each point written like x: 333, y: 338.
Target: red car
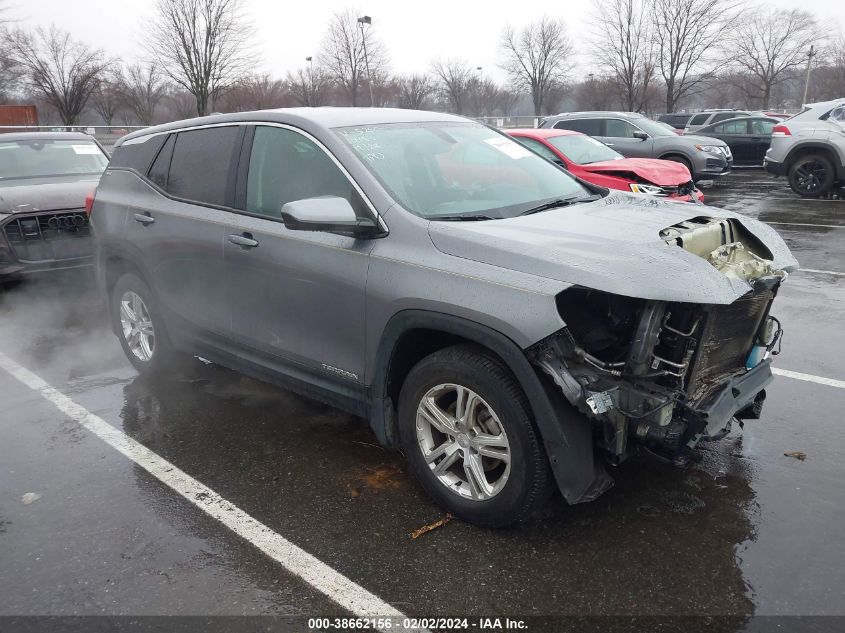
x: 595, y: 162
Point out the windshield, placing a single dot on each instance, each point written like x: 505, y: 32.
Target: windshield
x: 583, y: 150
x: 653, y: 128
x: 38, y: 158
x: 451, y: 169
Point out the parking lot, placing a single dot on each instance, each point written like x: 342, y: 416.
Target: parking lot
x: 86, y: 529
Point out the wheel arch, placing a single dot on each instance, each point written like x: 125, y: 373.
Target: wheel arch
x: 411, y: 335
x: 829, y: 151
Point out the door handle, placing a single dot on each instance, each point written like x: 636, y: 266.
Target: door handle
x: 756, y: 138
x: 244, y: 240
x: 144, y: 218
x: 609, y: 144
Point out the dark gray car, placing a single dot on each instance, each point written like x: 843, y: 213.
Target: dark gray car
x: 636, y: 136
x: 485, y: 311
x: 44, y: 180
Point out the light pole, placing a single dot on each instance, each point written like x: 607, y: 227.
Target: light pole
x: 361, y: 22
x: 810, y: 54
x: 310, y: 61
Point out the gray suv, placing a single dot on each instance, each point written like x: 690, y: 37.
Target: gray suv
x: 502, y: 323
x: 809, y: 149
x: 636, y: 136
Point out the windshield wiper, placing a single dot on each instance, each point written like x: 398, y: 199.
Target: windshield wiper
x: 469, y: 217
x: 560, y: 202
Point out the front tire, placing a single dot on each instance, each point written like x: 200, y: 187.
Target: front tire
x: 470, y: 440
x: 812, y: 176
x: 139, y: 326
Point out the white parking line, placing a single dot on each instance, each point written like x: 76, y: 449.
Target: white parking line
x: 823, y: 272
x: 323, y: 578
x: 822, y: 226
x: 819, y: 380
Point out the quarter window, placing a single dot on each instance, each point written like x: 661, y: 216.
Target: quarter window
x: 285, y: 166
x: 699, y: 119
x: 199, y: 169
x: 161, y: 165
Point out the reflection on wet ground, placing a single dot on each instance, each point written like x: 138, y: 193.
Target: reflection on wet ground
x: 747, y: 531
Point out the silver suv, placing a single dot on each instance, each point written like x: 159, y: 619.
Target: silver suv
x: 809, y: 149
x: 636, y: 136
x: 484, y: 310
x: 709, y: 117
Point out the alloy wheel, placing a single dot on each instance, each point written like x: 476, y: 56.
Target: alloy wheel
x: 463, y: 442
x: 810, y: 176
x: 137, y: 326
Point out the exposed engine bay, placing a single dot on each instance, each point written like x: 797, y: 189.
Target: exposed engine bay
x: 665, y: 375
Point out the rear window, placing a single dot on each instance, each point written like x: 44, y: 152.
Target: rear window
x: 137, y: 154
x: 199, y: 169
x: 40, y: 158
x: 590, y: 127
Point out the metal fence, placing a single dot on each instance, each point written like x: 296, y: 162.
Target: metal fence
x: 510, y: 121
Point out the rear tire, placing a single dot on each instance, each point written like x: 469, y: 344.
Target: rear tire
x: 812, y: 176
x: 140, y: 329
x: 470, y: 440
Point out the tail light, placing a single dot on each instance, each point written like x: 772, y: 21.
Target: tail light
x: 781, y: 130
x: 89, y: 202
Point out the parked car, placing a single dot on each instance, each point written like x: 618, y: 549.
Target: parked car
x: 44, y: 180
x: 781, y: 116
x: 595, y: 162
x: 635, y: 136
x: 482, y: 308
x: 748, y: 137
x: 809, y: 149
x: 709, y: 117
x: 677, y: 120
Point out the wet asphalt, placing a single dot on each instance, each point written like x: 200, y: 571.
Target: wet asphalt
x: 747, y: 532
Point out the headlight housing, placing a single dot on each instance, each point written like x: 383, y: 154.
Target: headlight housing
x: 652, y: 190
x: 710, y: 149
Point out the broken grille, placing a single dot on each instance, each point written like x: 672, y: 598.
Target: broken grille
x: 50, y: 236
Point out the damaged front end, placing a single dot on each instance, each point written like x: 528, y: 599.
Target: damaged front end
x: 665, y: 375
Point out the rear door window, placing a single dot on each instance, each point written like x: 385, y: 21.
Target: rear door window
x: 699, y: 119
x: 200, y: 169
x: 590, y: 127
x: 762, y: 128
x: 733, y: 127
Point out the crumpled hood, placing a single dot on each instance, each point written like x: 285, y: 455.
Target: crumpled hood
x: 612, y: 245
x: 664, y: 173
x: 45, y: 195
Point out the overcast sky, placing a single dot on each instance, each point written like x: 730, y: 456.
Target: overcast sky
x: 414, y: 32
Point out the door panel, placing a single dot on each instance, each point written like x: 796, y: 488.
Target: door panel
x: 619, y: 135
x: 296, y: 295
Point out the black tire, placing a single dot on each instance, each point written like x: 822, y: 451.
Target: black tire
x: 529, y: 483
x: 812, y: 175
x: 163, y: 355
x: 676, y: 158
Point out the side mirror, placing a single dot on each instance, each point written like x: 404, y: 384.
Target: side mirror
x: 641, y: 135
x: 329, y: 214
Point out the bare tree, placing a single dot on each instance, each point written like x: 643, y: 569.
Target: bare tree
x: 143, y: 86
x: 687, y: 35
x: 596, y: 93
x: 414, y: 90
x: 63, y: 71
x: 506, y: 101
x: 623, y: 46
x: 770, y: 43
x: 348, y: 49
x: 454, y: 77
x: 10, y: 71
x: 482, y: 96
x: 106, y: 98
x: 309, y: 86
x: 537, y: 58
x: 202, y: 45
x: 181, y: 104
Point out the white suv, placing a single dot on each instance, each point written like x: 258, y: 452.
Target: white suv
x: 809, y: 149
